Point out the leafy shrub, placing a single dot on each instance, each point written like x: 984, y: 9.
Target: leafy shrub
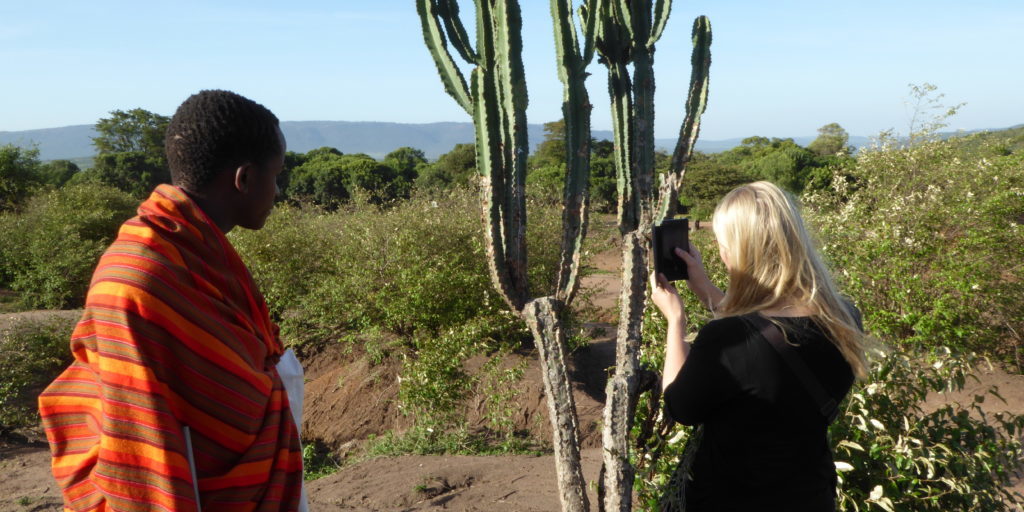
x: 928, y: 241
x: 414, y: 268
x: 454, y: 169
x: 328, y: 178
x: 32, y: 353
x: 434, y: 381
x: 289, y: 257
x: 50, y: 248
x: 135, y: 172
x: 19, y: 175
x: 435, y: 386
x: 892, y: 454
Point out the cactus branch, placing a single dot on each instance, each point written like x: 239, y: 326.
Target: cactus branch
x: 697, y: 98
x: 511, y: 87
x: 433, y: 36
x: 662, y: 8
x: 588, y: 14
x: 449, y: 12
x: 576, y: 113
x: 696, y: 103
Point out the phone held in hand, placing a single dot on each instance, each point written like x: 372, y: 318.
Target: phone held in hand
x: 668, y: 235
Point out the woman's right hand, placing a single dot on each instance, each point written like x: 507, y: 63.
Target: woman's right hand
x: 697, y: 278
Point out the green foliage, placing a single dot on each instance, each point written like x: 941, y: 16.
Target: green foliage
x: 434, y: 382
x: 928, y: 241
x: 130, y: 148
x: 19, y: 175
x: 416, y: 266
x: 546, y: 178
x: 928, y: 114
x: 430, y: 441
x: 498, y: 387
x: 551, y: 151
x: 780, y: 161
x: 454, y: 169
x: 415, y: 274
x: 328, y: 178
x: 405, y: 161
x: 32, y: 353
x: 435, y: 386
x: 380, y: 182
x: 892, y: 453
x: 317, y: 461
x: 706, y: 182
x: 319, y: 179
x: 546, y: 182
x: 135, y: 172
x: 709, y: 177
x: 136, y: 130
x: 50, y: 248
x: 56, y: 173
x: 831, y: 141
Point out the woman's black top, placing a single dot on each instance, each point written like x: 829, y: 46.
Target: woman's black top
x: 765, y: 444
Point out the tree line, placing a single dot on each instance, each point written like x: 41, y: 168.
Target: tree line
x: 130, y: 157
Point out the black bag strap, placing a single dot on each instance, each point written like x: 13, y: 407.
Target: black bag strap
x: 771, y: 332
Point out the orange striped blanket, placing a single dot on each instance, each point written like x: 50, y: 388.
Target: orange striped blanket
x: 174, y: 334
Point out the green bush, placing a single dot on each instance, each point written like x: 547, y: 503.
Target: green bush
x: 415, y: 267
x: 928, y: 241
x: 50, y: 248
x: 892, y: 454
x: 434, y: 381
x: 19, y: 175
x: 32, y: 353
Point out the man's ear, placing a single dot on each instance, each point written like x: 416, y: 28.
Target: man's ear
x: 243, y: 175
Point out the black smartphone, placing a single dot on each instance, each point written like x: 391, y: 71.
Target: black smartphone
x: 668, y: 235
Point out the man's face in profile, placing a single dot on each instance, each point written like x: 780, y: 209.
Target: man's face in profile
x: 263, y: 190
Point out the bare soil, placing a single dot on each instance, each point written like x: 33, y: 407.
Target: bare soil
x: 348, y: 399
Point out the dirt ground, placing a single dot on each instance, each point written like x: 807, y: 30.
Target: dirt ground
x: 349, y: 399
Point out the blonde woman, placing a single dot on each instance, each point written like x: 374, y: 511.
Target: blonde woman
x: 765, y: 443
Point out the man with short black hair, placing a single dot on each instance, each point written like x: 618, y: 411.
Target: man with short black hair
x: 174, y: 401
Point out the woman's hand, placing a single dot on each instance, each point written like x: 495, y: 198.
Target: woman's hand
x: 665, y: 296
x: 697, y: 278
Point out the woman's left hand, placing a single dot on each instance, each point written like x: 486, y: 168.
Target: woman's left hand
x: 665, y: 296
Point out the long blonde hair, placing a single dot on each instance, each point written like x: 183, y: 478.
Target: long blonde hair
x: 772, y: 262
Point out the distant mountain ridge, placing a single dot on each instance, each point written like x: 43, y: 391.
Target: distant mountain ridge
x: 373, y: 138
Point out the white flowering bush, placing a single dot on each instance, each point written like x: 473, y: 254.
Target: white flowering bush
x: 928, y: 241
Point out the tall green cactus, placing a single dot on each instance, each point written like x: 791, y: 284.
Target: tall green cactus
x: 624, y: 33
x: 629, y: 31
x: 496, y: 99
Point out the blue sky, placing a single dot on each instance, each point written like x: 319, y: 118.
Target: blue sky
x: 779, y: 68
